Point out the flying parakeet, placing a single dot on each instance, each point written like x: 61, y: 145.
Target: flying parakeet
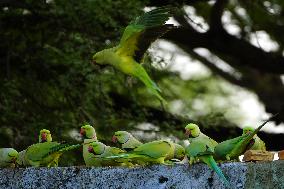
x: 201, y: 148
x: 128, y: 141
x: 100, y: 151
x: 44, y: 136
x: 136, y: 39
x: 233, y: 148
x: 258, y: 144
x: 153, y: 152
x: 89, y: 134
x: 8, y: 157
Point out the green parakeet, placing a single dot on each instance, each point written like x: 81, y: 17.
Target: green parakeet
x: 100, y: 151
x: 179, y: 152
x: 47, y: 153
x: 201, y: 148
x: 258, y: 144
x: 128, y: 141
x: 89, y: 134
x: 44, y: 136
x: 8, y: 157
x: 153, y: 152
x: 136, y: 39
x: 233, y: 148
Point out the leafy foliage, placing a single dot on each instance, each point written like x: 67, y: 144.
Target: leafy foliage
x: 48, y: 81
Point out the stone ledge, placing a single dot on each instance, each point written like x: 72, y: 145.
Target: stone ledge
x: 241, y: 175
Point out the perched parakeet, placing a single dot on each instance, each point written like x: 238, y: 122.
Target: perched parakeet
x: 136, y: 39
x: 47, y: 153
x: 100, y: 151
x: 179, y: 152
x: 128, y: 141
x: 44, y: 153
x: 231, y: 149
x: 8, y: 157
x: 257, y: 144
x: 44, y: 136
x: 153, y: 152
x: 201, y: 148
x: 89, y: 134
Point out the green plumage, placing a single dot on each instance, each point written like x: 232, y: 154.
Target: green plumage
x: 257, y: 144
x: 100, y: 151
x: 47, y: 153
x: 127, y: 140
x: 8, y: 157
x: 62, y: 148
x: 153, y: 152
x: 136, y: 39
x: 201, y: 147
x: 233, y: 148
x: 89, y: 134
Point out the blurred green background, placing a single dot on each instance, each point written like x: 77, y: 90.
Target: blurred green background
x: 48, y: 81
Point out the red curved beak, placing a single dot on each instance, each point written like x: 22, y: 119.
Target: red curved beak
x: 114, y: 139
x: 90, y: 149
x: 82, y: 132
x: 43, y: 136
x: 187, y: 132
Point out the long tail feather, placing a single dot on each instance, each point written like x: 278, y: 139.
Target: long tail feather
x: 117, y: 156
x: 126, y: 156
x: 150, y: 84
x: 250, y: 136
x: 70, y: 147
x: 213, y: 165
x: 63, y: 148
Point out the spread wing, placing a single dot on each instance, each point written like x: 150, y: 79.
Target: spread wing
x: 142, y: 31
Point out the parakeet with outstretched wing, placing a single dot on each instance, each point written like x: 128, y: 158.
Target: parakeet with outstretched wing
x: 89, y: 134
x: 201, y: 148
x: 136, y: 39
x: 8, y: 157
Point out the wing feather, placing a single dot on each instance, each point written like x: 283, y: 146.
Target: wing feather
x: 153, y: 149
x: 143, y: 30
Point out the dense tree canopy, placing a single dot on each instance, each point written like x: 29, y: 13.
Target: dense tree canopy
x: 48, y: 81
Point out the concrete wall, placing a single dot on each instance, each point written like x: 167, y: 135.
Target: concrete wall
x: 241, y: 175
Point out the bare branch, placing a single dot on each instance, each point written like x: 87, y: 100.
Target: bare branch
x: 216, y: 15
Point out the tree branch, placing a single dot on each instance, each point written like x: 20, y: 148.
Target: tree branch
x: 242, y: 52
x: 230, y: 78
x: 216, y: 15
